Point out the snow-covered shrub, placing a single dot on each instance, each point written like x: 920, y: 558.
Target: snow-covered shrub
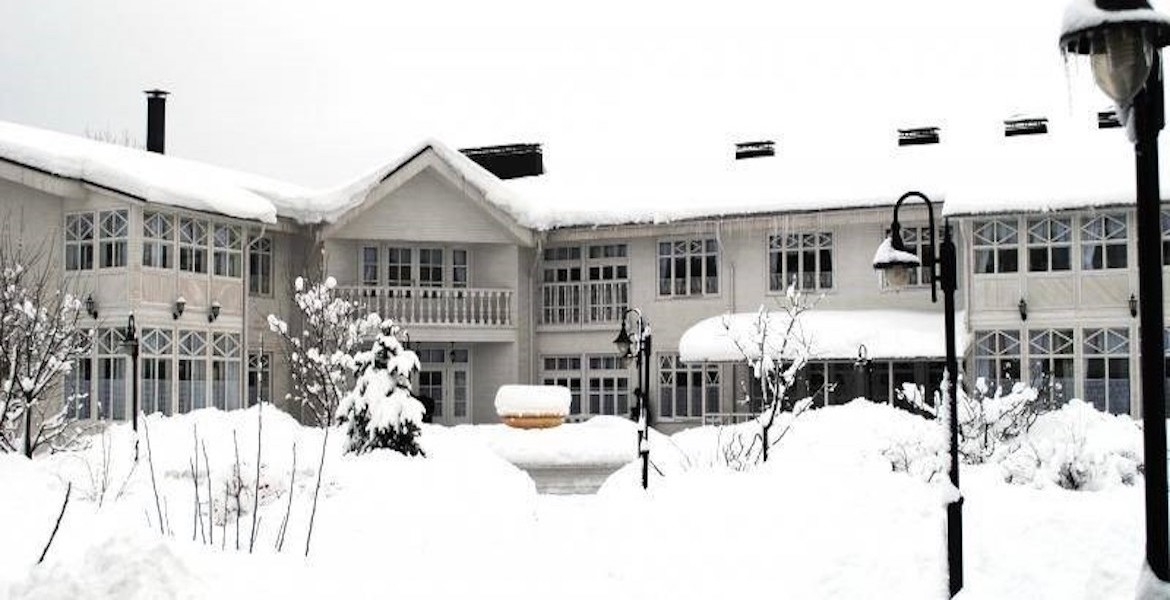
x: 1076, y: 447
x: 42, y: 339
x: 990, y: 421
x: 776, y: 348
x: 321, y: 359
x: 380, y: 411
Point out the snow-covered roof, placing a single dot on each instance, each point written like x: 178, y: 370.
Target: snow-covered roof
x: 833, y: 335
x: 147, y: 175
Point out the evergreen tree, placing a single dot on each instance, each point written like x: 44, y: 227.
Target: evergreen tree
x: 381, y: 411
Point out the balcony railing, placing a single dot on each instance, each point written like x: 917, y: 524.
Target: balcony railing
x: 482, y: 307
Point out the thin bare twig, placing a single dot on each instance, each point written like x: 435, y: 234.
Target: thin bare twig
x: 291, y: 486
x: 256, y: 496
x: 153, y: 485
x: 68, y: 489
x: 210, y: 499
x: 316, y: 492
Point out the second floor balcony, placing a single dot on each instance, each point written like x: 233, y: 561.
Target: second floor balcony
x: 436, y: 306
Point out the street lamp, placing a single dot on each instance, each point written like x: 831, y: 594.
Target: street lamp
x: 895, y: 260
x: 1123, y: 39
x: 130, y: 342
x: 638, y: 347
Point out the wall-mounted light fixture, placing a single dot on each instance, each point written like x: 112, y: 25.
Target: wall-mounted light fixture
x: 214, y: 314
x: 91, y: 307
x: 1132, y: 305
x: 1023, y: 306
x: 180, y: 306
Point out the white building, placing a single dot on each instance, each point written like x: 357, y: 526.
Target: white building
x: 524, y: 280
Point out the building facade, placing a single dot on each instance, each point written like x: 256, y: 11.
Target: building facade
x: 490, y: 298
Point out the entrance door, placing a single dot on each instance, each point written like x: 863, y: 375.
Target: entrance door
x: 445, y: 378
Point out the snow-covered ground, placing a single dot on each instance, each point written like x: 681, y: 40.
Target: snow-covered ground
x: 827, y: 517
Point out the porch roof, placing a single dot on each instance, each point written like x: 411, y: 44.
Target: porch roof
x: 832, y: 334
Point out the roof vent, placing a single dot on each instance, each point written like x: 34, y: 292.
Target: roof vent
x: 755, y: 149
x: 1025, y: 126
x: 509, y: 161
x: 918, y: 136
x: 1107, y: 119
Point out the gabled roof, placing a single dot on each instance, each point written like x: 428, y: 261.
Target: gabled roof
x: 147, y: 176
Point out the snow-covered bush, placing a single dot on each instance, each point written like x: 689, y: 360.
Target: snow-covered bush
x: 42, y: 339
x: 776, y: 348
x: 380, y: 411
x: 991, y: 421
x: 321, y: 359
x: 1076, y: 447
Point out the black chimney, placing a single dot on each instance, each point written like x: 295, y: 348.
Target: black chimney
x: 509, y: 161
x: 156, y: 120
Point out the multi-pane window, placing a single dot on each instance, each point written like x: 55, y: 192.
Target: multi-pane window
x: 111, y: 375
x: 686, y: 391
x: 259, y: 377
x: 1049, y: 244
x: 996, y: 245
x: 79, y: 239
x: 917, y: 241
x: 688, y: 267
x: 608, y: 274
x: 1051, y: 356
x: 192, y: 370
x: 565, y: 371
x: 804, y: 260
x: 113, y: 234
x: 369, y: 265
x: 158, y: 240
x: 192, y: 245
x: 444, y: 377
x: 225, y: 370
x: 1107, y: 369
x: 585, y: 285
x: 561, y: 289
x: 609, y: 386
x: 228, y: 245
x: 260, y: 266
x: 997, y: 358
x: 460, y: 358
x: 398, y: 267
x: 77, y: 380
x: 1103, y: 242
x: 157, y: 348
x: 459, y: 268
x: 430, y: 267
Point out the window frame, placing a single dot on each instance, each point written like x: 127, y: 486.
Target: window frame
x: 260, y: 266
x: 670, y: 368
x: 999, y: 244
x: 1041, y: 234
x: 1045, y: 348
x: 193, y: 246
x: 1110, y: 354
x: 113, y: 241
x: 259, y: 377
x: 704, y: 249
x: 783, y: 247
x: 158, y: 245
x: 80, y: 241
x: 1103, y: 241
x: 1006, y: 346
x: 227, y: 251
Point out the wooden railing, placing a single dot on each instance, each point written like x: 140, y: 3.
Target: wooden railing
x: 476, y: 307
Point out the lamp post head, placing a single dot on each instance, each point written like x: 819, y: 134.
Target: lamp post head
x: 91, y: 307
x: 894, y: 259
x: 180, y: 306
x: 1133, y: 305
x: 1023, y: 306
x: 1120, y: 38
x: 214, y: 313
x: 623, y: 342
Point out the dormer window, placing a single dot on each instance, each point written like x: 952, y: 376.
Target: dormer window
x: 744, y: 150
x: 1025, y: 126
x: 918, y: 136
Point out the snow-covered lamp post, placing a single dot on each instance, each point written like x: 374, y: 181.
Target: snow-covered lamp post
x: 895, y: 260
x: 638, y: 347
x: 1123, y: 40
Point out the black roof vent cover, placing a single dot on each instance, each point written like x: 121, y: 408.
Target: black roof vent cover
x: 755, y: 149
x: 918, y: 136
x: 509, y: 161
x: 1107, y: 119
x: 1025, y: 126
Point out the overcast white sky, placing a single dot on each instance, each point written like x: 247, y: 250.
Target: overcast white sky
x: 317, y: 92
